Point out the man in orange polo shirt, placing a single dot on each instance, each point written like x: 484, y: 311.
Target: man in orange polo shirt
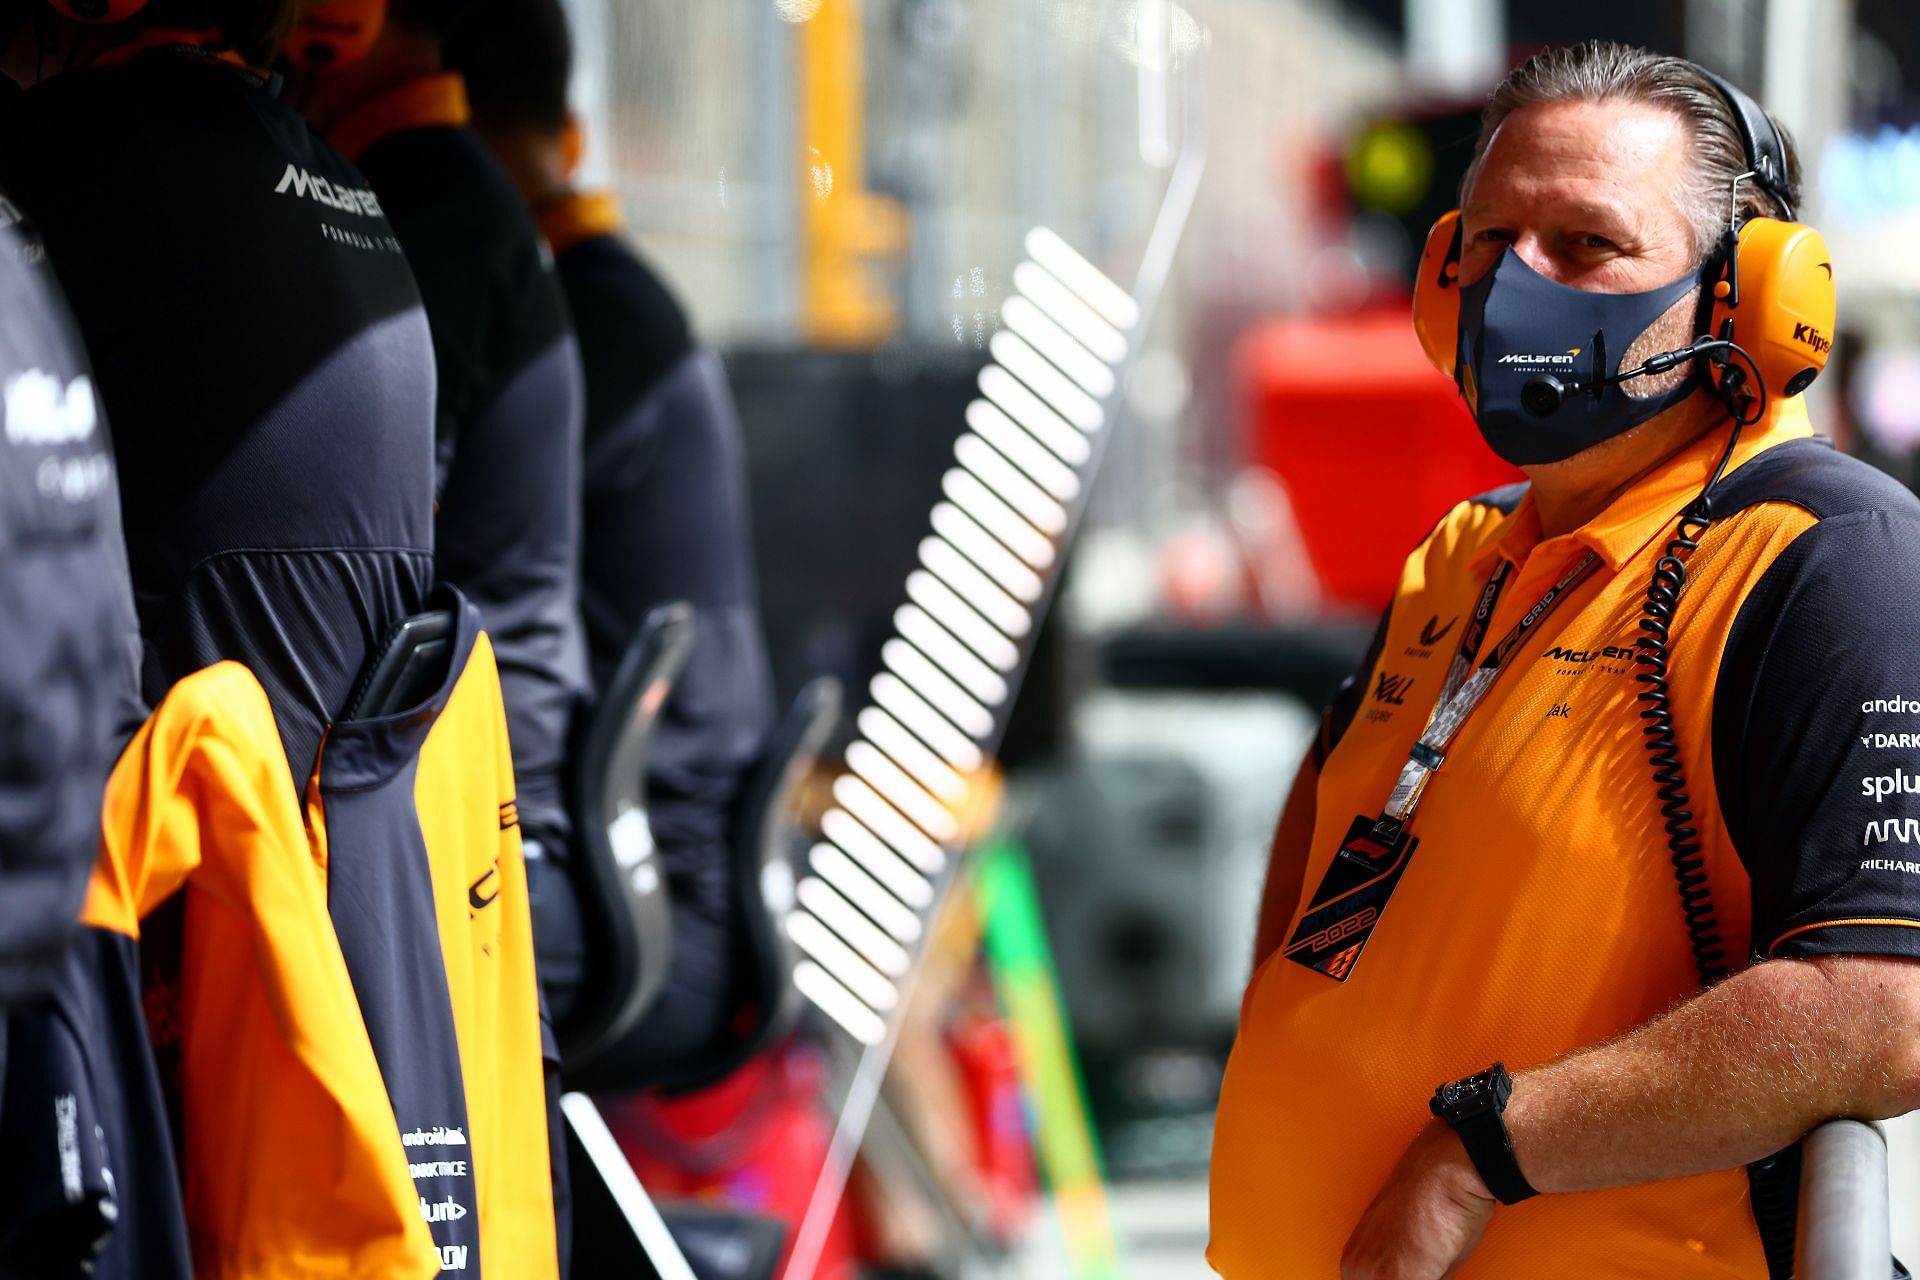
x: 1478, y: 866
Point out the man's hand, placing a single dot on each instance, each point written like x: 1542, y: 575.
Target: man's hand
x: 1427, y: 1218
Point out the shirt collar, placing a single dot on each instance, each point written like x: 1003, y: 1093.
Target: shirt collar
x: 578, y: 216
x: 1654, y: 501
x: 423, y: 102
x: 191, y: 40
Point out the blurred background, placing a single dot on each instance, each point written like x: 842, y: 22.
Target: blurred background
x: 845, y: 194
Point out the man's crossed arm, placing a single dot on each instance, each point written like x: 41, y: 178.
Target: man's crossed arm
x: 1727, y: 1077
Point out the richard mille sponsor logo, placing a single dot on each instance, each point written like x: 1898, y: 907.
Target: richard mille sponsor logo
x: 1890, y: 864
x: 1892, y: 831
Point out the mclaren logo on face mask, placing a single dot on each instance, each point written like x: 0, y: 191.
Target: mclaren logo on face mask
x: 1525, y: 359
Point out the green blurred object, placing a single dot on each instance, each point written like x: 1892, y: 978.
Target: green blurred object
x: 1015, y: 935
x: 1390, y: 167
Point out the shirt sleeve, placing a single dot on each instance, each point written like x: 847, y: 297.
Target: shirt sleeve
x: 1346, y: 700
x: 1816, y: 740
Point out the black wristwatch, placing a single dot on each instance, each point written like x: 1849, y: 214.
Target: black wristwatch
x: 1471, y: 1108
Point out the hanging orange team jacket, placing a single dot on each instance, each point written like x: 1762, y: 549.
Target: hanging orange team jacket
x: 360, y: 1076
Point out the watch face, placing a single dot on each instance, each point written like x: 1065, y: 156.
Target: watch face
x: 1475, y: 1095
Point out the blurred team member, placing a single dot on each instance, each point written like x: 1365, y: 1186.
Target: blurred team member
x: 67, y: 681
x: 256, y: 338
x: 664, y: 505
x: 69, y: 652
x: 260, y: 350
x: 508, y: 425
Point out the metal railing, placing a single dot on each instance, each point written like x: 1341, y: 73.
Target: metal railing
x: 1844, y: 1229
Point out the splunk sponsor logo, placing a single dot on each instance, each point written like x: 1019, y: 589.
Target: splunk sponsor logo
x: 311, y: 186
x: 1892, y: 831
x: 1890, y: 784
x: 448, y: 1210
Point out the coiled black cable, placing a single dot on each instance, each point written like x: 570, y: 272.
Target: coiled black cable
x: 1774, y: 1182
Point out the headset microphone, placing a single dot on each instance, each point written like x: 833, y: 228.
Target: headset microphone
x: 1543, y: 396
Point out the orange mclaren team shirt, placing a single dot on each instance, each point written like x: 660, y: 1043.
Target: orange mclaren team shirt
x: 315, y: 1139
x: 1537, y: 911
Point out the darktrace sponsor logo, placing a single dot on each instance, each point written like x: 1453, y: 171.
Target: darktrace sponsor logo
x: 1898, y: 741
x: 1899, y: 782
x: 1391, y: 688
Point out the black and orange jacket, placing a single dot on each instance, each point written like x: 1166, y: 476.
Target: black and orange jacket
x: 665, y: 516
x: 508, y: 422
x: 1538, y: 911
x: 265, y: 365
x: 361, y: 1077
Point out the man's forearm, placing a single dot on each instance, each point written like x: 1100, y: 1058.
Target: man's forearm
x: 1730, y: 1076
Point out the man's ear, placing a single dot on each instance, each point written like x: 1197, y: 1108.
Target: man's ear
x: 573, y: 144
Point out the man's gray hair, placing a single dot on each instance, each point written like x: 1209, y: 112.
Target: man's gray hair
x: 1603, y: 71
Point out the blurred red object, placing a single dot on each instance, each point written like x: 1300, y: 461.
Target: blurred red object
x: 982, y: 1048
x: 1371, y: 443
x: 755, y: 1141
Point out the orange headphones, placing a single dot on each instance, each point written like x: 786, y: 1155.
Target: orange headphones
x: 1772, y: 278
x: 332, y: 33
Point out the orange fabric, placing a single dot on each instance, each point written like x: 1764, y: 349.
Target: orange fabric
x: 292, y: 1164
x: 579, y: 216
x: 1538, y: 913
x: 473, y: 845
x: 421, y: 103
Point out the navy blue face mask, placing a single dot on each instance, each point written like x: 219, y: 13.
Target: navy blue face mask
x: 1517, y: 326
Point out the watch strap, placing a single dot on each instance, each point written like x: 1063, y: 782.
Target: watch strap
x: 1490, y: 1147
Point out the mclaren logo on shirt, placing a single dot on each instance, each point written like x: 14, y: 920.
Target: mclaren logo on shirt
x: 1615, y: 659
x: 45, y: 409
x: 311, y: 186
